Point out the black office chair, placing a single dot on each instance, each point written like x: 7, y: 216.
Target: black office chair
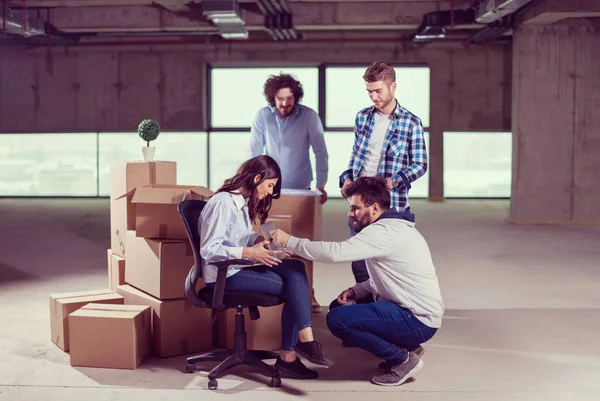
x: 220, y: 300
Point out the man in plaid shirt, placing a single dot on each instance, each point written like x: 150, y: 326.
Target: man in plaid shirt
x: 389, y: 142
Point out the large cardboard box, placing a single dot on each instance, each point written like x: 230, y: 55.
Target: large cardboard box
x: 110, y: 336
x: 156, y: 214
x: 158, y: 267
x: 62, y: 305
x: 116, y: 270
x: 178, y: 328
x: 305, y: 209
x: 262, y: 334
x: 124, y: 178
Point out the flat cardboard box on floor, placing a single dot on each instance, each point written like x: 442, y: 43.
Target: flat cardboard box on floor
x: 263, y: 334
x: 124, y: 178
x: 116, y: 270
x: 156, y: 214
x: 178, y: 328
x: 110, y: 336
x: 63, y: 305
x: 158, y: 267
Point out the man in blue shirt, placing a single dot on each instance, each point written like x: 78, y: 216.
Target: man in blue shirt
x: 285, y: 130
x: 388, y: 142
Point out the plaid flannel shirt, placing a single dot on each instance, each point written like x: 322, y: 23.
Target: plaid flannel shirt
x: 404, y: 157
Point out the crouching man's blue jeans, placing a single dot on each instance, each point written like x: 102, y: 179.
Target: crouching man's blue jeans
x: 383, y: 328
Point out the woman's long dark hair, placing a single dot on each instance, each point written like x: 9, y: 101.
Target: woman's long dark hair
x: 268, y: 169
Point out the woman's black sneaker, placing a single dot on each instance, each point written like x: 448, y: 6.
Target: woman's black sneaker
x: 313, y: 351
x: 295, y: 370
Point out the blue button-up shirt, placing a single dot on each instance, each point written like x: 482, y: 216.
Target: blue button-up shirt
x: 225, y: 230
x: 287, y: 140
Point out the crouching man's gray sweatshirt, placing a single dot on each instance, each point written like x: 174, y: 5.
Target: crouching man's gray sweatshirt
x: 398, y: 261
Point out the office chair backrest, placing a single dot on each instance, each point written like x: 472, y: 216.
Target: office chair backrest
x: 190, y: 211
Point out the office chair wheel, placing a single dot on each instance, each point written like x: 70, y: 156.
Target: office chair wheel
x: 275, y: 381
x: 212, y: 384
x: 190, y: 368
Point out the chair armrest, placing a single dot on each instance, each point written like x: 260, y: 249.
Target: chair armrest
x: 217, y: 301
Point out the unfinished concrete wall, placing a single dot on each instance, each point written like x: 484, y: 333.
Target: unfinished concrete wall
x: 111, y: 89
x: 556, y: 124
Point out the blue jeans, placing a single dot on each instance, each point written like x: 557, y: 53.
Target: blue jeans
x: 287, y: 280
x: 384, y: 329
x: 359, y: 268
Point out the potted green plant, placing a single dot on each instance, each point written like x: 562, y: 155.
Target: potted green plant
x: 148, y: 130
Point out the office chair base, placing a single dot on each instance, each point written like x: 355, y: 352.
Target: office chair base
x: 231, y: 359
x: 238, y: 356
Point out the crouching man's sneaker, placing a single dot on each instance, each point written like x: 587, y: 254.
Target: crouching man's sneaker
x: 387, y: 366
x: 295, y: 370
x: 313, y: 351
x: 398, y: 374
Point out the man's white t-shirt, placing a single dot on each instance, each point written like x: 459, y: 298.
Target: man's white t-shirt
x: 373, y: 156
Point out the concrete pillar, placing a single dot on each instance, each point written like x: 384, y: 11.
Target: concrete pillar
x: 556, y: 123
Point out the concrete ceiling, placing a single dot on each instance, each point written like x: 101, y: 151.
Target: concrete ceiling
x: 96, y: 20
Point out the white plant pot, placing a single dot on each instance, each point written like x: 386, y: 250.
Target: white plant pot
x: 148, y: 152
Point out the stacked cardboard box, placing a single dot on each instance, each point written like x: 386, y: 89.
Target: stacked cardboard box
x: 150, y: 252
x: 149, y: 239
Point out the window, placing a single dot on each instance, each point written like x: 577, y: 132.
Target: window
x: 188, y: 149
x: 237, y: 93
x: 477, y: 164
x: 346, y: 95
x: 339, y: 147
x: 225, y: 159
x: 48, y: 164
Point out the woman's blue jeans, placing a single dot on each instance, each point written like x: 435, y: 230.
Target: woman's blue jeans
x: 287, y: 280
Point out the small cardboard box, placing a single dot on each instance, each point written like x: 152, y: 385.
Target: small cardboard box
x: 110, y: 336
x: 116, y: 270
x: 62, y: 305
x: 178, y: 328
x: 158, y: 267
x: 263, y: 334
x: 124, y: 178
x: 156, y: 214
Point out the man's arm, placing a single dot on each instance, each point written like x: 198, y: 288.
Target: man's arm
x: 361, y: 290
x: 417, y: 154
x: 355, y: 148
x: 316, y: 139
x: 371, y: 242
x: 257, y: 135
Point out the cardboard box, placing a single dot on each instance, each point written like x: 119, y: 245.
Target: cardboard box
x: 305, y: 209
x: 62, y: 305
x: 110, y: 336
x: 262, y: 334
x: 156, y: 214
x: 116, y: 270
x: 124, y: 178
x: 158, y: 267
x: 178, y: 328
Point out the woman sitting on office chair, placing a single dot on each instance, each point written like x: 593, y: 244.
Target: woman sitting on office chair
x: 226, y: 233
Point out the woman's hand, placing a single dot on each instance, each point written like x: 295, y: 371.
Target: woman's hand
x: 261, y: 254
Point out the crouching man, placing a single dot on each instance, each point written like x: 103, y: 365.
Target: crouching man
x: 408, y: 305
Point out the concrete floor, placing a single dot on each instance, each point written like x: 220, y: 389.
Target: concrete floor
x: 522, y: 316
